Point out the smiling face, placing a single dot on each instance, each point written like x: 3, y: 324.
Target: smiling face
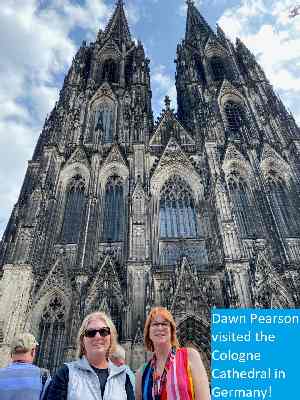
x: 97, y: 346
x: 160, y: 331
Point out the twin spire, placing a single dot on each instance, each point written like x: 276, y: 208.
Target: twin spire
x: 118, y: 29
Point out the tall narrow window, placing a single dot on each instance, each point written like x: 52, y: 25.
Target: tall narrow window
x: 218, y: 68
x: 243, y: 206
x: 102, y: 122
x: 110, y: 71
x: 114, y: 210
x: 52, y: 336
x: 177, y: 213
x: 234, y: 115
x: 284, y: 208
x: 75, y: 201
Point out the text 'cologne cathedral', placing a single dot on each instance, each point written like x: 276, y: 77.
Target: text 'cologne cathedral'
x: 117, y: 213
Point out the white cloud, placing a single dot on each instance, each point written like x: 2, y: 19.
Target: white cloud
x: 265, y: 28
x: 162, y: 85
x: 35, y: 46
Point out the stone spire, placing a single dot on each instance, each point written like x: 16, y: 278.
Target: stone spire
x: 196, y: 26
x: 117, y: 27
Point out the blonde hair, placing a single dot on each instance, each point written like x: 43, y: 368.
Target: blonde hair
x: 163, y: 312
x: 98, y: 315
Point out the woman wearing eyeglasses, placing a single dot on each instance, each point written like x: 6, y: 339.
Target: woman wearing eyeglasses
x: 93, y: 376
x: 173, y: 373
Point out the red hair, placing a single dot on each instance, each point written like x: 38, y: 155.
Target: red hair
x: 162, y: 312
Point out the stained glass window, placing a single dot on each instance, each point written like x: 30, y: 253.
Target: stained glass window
x: 75, y: 201
x: 283, y: 206
x: 243, y: 206
x: 177, y: 210
x: 114, y: 210
x: 52, y: 336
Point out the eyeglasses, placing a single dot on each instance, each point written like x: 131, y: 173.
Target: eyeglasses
x: 103, y: 332
x: 164, y: 324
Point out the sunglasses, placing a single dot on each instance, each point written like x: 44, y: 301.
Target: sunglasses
x: 93, y: 332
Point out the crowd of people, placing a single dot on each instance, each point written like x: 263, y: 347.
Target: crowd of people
x: 100, y: 371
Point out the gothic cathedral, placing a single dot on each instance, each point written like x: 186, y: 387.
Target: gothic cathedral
x: 119, y: 213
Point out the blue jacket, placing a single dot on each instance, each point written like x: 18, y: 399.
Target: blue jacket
x: 20, y: 381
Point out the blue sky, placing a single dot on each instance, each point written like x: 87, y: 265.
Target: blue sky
x: 38, y: 39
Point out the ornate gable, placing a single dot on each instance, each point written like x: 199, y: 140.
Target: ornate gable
x: 57, y: 279
x: 115, y: 157
x: 105, y: 286
x: 213, y: 47
x: 269, y: 153
x: 269, y: 289
x: 170, y: 126
x: 78, y: 156
x: 228, y: 90
x: 233, y: 158
x: 173, y: 154
x: 104, y: 91
x: 110, y: 49
x: 187, y: 296
x: 271, y: 160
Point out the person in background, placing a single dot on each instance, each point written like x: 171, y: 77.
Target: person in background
x: 118, y: 358
x: 173, y: 372
x: 21, y: 380
x: 93, y: 376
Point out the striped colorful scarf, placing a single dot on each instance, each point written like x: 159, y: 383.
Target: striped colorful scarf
x: 179, y: 380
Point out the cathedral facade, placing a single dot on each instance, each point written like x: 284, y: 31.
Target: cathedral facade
x: 119, y: 213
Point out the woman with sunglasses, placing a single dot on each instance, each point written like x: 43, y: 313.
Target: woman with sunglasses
x: 173, y: 373
x: 93, y: 376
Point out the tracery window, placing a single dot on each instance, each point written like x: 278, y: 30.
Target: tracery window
x: 102, y: 122
x: 75, y: 201
x: 52, y: 335
x: 177, y: 213
x: 243, y: 206
x: 283, y: 206
x: 110, y: 71
x: 114, y: 210
x: 234, y: 115
x: 218, y: 68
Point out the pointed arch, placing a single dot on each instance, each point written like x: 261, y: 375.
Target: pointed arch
x: 102, y: 121
x: 51, y: 335
x: 283, y: 204
x: 243, y: 205
x: 114, y: 210
x: 177, y: 211
x: 74, y: 208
